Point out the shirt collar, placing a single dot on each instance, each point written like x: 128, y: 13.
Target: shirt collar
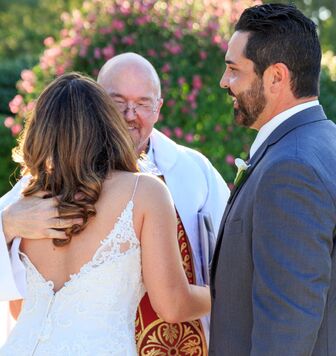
x: 147, y: 163
x: 277, y: 120
x: 150, y: 152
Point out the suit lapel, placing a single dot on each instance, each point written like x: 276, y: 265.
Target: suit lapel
x: 253, y: 163
x: 304, y: 117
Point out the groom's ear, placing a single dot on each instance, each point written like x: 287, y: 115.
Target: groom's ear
x: 277, y: 78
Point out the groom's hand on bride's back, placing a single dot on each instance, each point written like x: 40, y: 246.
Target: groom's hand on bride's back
x: 35, y: 217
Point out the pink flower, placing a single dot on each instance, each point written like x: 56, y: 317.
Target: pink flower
x: 166, y: 131
x: 9, y: 122
x: 218, y: 128
x: 197, y: 82
x: 118, y: 25
x: 97, y: 53
x: 152, y: 53
x: 64, y: 33
x: 171, y: 103
x: 165, y: 68
x: 128, y: 40
x: 178, y: 132
x: 26, y: 86
x: 191, y: 97
x: 17, y: 100
x: 178, y: 33
x: 28, y: 75
x: 105, y: 30
x: 60, y: 70
x: 108, y: 52
x: 83, y: 51
x: 141, y: 20
x: 229, y: 159
x: 173, y: 47
x: 49, y: 41
x: 216, y: 39
x: 92, y: 17
x: 67, y: 42
x: 213, y: 26
x: 65, y: 17
x: 16, y: 129
x: 125, y: 8
x: 203, y: 55
x: 30, y: 105
x: 15, y: 103
x: 224, y: 46
x: 181, y: 81
x: 49, y: 57
x: 189, y: 137
x: 87, y: 41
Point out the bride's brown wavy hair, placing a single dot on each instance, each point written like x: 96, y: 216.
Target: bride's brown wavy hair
x: 73, y: 139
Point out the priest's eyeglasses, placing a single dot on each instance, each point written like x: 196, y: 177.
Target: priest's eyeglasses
x: 138, y: 109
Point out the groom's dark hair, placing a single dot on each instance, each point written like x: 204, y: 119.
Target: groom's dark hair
x: 282, y: 34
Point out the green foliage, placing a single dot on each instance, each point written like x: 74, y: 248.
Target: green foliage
x: 185, y: 42
x: 25, y: 23
x: 10, y: 73
x: 328, y: 93
x: 7, y: 166
x: 21, y: 41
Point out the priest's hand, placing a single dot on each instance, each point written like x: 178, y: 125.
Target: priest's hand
x: 35, y: 217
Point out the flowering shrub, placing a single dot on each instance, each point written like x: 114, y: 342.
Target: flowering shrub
x: 185, y: 41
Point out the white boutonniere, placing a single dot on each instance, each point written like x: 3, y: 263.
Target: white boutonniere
x: 242, y: 167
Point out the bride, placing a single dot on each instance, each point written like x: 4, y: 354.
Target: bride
x: 83, y: 291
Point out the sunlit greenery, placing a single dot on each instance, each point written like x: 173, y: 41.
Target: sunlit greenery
x: 189, y: 61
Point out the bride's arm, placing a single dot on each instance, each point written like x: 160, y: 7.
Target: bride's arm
x: 171, y: 296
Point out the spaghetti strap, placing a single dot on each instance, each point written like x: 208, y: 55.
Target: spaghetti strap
x: 135, y: 187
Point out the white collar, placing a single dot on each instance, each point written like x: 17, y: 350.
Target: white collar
x: 150, y: 152
x: 147, y: 162
x: 277, y: 120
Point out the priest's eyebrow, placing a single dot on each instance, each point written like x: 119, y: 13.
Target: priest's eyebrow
x: 117, y: 95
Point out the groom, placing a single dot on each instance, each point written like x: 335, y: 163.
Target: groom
x: 273, y: 279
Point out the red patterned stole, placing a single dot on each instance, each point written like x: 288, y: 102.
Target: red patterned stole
x: 155, y: 337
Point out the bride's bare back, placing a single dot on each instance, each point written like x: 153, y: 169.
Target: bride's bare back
x: 58, y: 263
x: 154, y: 222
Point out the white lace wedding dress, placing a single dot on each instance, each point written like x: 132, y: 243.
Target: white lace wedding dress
x: 94, y: 312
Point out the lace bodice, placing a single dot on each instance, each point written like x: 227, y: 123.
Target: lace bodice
x: 94, y: 312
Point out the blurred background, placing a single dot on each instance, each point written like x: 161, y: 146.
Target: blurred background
x: 185, y: 40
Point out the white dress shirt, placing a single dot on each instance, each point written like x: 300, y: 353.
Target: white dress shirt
x: 277, y: 120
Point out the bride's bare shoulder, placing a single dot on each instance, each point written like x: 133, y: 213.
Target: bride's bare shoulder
x: 153, y: 191
x: 149, y: 188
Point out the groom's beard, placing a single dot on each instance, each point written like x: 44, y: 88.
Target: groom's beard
x: 250, y: 103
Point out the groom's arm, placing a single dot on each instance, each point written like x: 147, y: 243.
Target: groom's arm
x: 293, y: 223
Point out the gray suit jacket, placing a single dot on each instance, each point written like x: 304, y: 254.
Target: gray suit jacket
x: 273, y: 277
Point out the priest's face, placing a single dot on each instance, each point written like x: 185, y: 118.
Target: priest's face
x: 137, y: 97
